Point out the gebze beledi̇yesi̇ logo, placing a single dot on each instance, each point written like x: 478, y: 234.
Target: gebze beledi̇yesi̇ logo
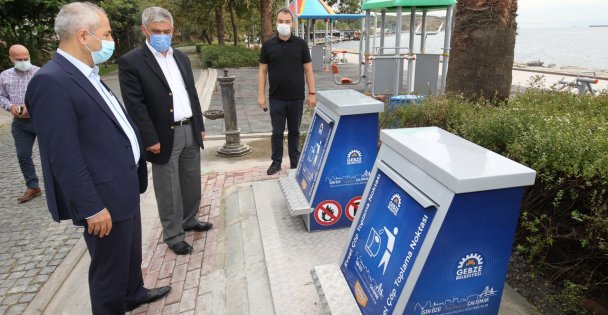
x: 394, y: 204
x: 469, y: 266
x: 354, y: 157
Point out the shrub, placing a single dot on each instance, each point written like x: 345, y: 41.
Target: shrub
x: 564, y: 137
x: 215, y: 56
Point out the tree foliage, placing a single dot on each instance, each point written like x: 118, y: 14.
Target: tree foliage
x: 29, y: 23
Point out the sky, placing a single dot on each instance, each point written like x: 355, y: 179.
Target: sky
x: 561, y: 13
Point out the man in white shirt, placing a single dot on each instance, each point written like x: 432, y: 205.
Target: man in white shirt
x: 158, y: 89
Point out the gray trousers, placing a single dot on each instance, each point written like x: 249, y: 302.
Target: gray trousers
x: 177, y: 186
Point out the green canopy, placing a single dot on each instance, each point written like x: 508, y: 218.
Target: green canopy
x: 419, y: 4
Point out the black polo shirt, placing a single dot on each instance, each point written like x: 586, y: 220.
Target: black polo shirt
x: 285, y: 60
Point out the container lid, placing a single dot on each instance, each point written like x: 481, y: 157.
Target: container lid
x: 458, y: 164
x: 349, y: 102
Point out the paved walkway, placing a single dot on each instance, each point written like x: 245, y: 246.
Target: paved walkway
x: 32, y: 245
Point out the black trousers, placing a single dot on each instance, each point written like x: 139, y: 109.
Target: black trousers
x: 289, y: 111
x: 115, y: 277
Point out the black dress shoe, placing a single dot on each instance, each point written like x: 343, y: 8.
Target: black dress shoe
x: 293, y: 165
x: 200, y: 227
x: 181, y: 248
x: 273, y: 169
x: 153, y: 295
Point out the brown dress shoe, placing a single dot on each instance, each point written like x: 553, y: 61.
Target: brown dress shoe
x: 30, y: 194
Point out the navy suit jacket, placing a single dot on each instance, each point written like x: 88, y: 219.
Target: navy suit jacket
x: 87, y: 160
x: 149, y: 99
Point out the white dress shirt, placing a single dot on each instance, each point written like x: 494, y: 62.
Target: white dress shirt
x: 181, y: 102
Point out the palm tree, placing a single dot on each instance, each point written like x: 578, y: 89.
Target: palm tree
x: 482, y: 49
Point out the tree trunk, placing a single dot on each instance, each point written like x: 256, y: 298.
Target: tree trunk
x: 235, y: 31
x: 483, y: 43
x: 219, y: 24
x: 266, y: 19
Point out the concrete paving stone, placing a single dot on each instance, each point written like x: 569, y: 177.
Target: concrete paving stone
x: 34, y: 287
x: 24, y: 280
x: 171, y: 309
x: 196, y: 261
x: 192, y: 279
x: 8, y: 283
x: 188, y: 300
x: 179, y: 273
x: 26, y: 298
x: 190, y: 312
x: 150, y: 278
x: 204, y: 304
x: 11, y: 299
x: 17, y: 309
x: 182, y: 259
x: 175, y: 294
x: 16, y: 274
x: 41, y: 278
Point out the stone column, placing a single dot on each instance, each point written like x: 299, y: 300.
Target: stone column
x: 233, y: 146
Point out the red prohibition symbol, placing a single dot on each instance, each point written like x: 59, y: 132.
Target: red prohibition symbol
x: 351, y: 208
x: 328, y: 212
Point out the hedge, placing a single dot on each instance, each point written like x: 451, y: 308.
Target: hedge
x: 227, y: 56
x: 563, y: 227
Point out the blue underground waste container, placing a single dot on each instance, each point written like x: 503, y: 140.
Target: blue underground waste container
x: 435, y: 227
x: 336, y: 160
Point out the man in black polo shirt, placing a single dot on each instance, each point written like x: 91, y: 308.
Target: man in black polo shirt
x: 286, y: 60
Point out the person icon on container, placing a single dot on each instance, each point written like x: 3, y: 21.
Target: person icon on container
x: 390, y: 244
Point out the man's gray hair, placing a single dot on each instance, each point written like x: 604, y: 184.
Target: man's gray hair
x: 75, y: 15
x: 155, y: 15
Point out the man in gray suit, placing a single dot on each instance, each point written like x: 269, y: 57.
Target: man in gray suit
x: 158, y: 89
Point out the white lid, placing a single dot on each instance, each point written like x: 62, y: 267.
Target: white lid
x: 349, y: 102
x: 458, y: 164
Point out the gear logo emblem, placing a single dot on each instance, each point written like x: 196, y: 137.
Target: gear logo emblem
x: 470, y: 266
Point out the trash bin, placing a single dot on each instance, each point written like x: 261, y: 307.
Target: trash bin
x: 435, y: 229
x: 403, y: 100
x: 336, y: 160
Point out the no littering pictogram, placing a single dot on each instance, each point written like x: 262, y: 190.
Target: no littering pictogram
x: 351, y: 207
x: 328, y: 212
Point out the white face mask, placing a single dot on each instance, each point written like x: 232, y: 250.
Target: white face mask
x: 23, y: 65
x: 284, y: 29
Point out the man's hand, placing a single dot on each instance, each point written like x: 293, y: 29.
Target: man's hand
x: 202, y: 135
x: 15, y: 110
x: 154, y: 148
x: 261, y: 101
x: 311, y: 100
x: 101, y: 224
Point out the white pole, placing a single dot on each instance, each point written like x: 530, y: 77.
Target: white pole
x: 399, y: 70
x: 410, y: 61
x: 446, y: 47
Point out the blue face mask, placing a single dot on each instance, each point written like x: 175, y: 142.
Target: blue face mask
x: 106, y: 51
x: 160, y: 42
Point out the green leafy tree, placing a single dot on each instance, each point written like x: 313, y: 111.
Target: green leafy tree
x: 125, y: 21
x: 345, y: 6
x: 30, y: 23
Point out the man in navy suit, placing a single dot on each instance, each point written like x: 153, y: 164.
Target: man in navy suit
x: 92, y: 160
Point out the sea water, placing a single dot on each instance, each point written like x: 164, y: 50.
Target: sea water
x: 583, y: 47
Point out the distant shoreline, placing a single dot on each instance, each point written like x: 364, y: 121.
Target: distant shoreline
x: 599, y: 25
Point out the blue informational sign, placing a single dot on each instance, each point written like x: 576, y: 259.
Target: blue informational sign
x: 313, y: 154
x: 350, y: 159
x: 384, y: 245
x: 465, y: 272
